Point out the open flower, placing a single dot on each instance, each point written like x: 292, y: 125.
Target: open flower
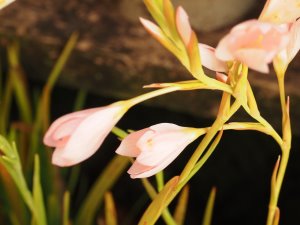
x: 155, y: 147
x: 254, y: 43
x: 280, y: 11
x: 77, y: 136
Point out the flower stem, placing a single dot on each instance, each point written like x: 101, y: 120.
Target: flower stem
x: 285, y: 152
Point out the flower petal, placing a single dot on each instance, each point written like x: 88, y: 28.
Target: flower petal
x: 65, y: 125
x: 88, y: 136
x: 255, y: 59
x: 294, y: 43
x: 128, y: 146
x: 183, y: 25
x: 280, y: 11
x: 147, y: 171
x: 209, y: 59
x: 162, y: 145
x: 138, y: 168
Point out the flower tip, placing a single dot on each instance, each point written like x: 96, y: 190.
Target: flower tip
x: 181, y: 13
x: 183, y: 25
x: 61, y: 161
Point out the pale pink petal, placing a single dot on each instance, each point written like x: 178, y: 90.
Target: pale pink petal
x: 294, y: 43
x: 128, y: 146
x: 165, y: 127
x: 255, y: 59
x: 155, y: 169
x: 222, y: 51
x: 152, y: 28
x: 280, y: 11
x: 88, y: 136
x: 183, y: 25
x: 63, y: 124
x: 162, y: 145
x: 254, y: 43
x: 138, y: 168
x: 209, y: 59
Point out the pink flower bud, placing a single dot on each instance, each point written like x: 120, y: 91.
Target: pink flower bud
x: 155, y: 147
x: 77, y: 136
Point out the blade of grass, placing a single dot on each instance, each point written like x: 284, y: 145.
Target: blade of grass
x: 166, y: 215
x: 105, y: 181
x: 38, y: 192
x: 181, y: 207
x: 6, y: 106
x: 209, y: 207
x: 54, y: 74
x: 110, y: 209
x: 66, y: 208
x: 19, y: 83
x: 53, y: 209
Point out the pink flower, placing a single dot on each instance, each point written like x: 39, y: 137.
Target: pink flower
x: 280, y: 11
x: 155, y: 147
x: 254, y: 43
x: 77, y: 136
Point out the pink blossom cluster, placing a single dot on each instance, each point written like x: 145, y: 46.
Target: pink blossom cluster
x: 255, y: 42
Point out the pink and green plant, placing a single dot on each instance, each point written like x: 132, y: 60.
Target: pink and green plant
x: 272, y: 38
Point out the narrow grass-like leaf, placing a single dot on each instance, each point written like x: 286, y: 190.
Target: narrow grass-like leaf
x: 80, y: 100
x: 19, y: 84
x: 110, y: 209
x: 5, y: 104
x: 209, y: 207
x: 181, y: 207
x: 166, y: 215
x: 66, y: 208
x: 54, y: 74
x: 38, y: 192
x: 105, y: 181
x: 53, y: 209
x: 156, y: 207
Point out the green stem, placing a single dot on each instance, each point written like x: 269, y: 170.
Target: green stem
x: 217, y: 125
x: 285, y: 152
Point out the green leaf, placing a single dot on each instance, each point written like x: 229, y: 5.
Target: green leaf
x: 110, y: 209
x: 209, y: 207
x: 38, y: 193
x: 181, y: 207
x: 66, y: 208
x: 18, y: 81
x: 105, y: 181
x: 157, y: 206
